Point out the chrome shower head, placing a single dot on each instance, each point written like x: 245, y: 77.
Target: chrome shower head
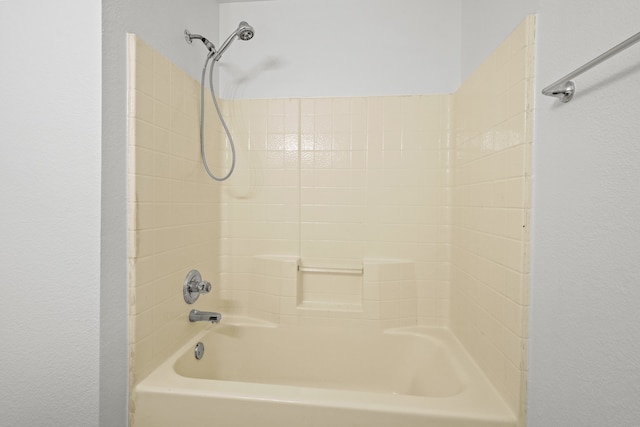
x: 243, y: 32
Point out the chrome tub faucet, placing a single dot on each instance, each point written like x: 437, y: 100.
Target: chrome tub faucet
x: 204, y: 316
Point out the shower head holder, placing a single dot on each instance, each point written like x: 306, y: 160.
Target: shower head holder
x: 188, y: 36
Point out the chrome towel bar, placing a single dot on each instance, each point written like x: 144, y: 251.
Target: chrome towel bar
x: 564, y: 88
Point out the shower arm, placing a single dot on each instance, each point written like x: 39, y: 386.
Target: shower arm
x: 189, y: 37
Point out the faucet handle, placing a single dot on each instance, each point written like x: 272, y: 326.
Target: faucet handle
x: 203, y: 287
x: 194, y: 286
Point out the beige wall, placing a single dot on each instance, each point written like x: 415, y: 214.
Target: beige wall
x: 173, y: 207
x: 337, y: 183
x: 491, y: 203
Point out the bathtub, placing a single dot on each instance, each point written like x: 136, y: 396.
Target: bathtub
x: 262, y: 375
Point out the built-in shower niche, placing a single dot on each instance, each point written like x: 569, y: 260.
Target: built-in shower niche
x: 379, y: 293
x: 325, y: 286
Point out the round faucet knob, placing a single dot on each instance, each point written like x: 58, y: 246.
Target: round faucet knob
x: 204, y: 287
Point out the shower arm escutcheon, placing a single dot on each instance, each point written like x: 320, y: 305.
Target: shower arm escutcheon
x: 194, y: 286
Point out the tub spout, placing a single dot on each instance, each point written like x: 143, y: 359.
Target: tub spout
x: 204, y: 316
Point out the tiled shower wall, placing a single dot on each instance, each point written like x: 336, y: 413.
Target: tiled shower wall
x: 491, y: 203
x: 173, y: 207
x: 424, y: 192
x: 336, y: 183
x: 339, y: 181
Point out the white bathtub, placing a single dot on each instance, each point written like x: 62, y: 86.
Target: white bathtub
x: 281, y: 376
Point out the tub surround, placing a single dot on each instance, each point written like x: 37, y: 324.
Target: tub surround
x: 442, y: 181
x: 378, y: 294
x: 336, y: 182
x: 173, y: 207
x: 424, y: 199
x: 491, y: 210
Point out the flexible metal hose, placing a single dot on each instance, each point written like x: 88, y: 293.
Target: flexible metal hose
x: 224, y: 124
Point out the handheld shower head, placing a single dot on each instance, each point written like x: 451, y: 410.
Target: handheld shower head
x: 243, y: 32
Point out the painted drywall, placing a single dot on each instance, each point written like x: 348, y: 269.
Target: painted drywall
x: 317, y: 48
x: 485, y: 24
x: 161, y: 24
x: 50, y: 212
x: 335, y: 48
x: 585, y: 323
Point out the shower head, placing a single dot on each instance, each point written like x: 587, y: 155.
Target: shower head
x: 243, y: 32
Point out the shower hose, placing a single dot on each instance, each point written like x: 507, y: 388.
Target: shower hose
x: 224, y: 124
